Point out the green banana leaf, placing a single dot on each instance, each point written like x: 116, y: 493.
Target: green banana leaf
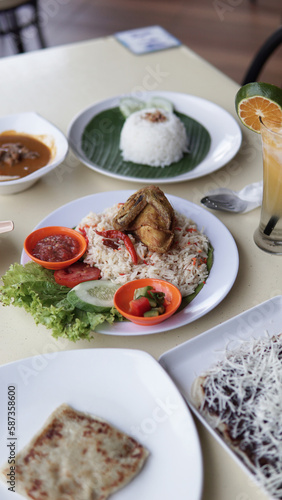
x: 189, y: 298
x: 100, y: 144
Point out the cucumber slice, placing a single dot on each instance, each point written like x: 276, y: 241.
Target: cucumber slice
x: 93, y: 296
x: 129, y: 105
x: 160, y: 102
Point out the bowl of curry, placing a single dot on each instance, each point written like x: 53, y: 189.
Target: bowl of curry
x: 30, y: 147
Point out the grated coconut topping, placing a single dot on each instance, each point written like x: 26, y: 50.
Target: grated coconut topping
x: 243, y: 401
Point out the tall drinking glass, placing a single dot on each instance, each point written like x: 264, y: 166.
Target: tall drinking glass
x: 268, y: 236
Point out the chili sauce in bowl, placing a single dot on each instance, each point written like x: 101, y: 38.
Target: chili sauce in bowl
x: 55, y: 247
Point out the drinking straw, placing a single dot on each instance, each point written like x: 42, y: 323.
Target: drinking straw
x: 271, y: 225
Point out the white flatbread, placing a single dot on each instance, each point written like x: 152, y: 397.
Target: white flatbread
x: 77, y: 457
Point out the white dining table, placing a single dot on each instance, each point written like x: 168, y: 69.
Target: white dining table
x: 58, y: 83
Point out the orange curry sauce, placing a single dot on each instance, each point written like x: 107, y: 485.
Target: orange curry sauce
x: 25, y: 154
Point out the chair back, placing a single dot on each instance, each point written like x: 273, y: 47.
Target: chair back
x: 262, y: 56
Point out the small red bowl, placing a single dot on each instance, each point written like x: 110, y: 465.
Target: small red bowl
x: 39, y: 234
x: 125, y: 293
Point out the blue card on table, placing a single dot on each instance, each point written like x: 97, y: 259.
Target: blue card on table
x: 149, y: 39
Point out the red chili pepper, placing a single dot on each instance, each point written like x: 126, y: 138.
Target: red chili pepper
x: 114, y: 234
x: 110, y: 243
x: 83, y: 232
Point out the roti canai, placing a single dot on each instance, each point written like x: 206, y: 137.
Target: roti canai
x: 77, y: 456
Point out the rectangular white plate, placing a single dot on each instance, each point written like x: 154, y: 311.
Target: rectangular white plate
x: 189, y: 360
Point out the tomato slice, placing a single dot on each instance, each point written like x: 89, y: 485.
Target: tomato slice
x: 139, y: 306
x: 75, y: 274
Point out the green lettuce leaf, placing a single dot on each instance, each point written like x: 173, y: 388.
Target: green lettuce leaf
x: 35, y: 289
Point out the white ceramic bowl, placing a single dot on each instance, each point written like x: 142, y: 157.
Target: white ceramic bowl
x: 36, y: 125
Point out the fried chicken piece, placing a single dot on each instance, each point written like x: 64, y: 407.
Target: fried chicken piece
x: 148, y: 215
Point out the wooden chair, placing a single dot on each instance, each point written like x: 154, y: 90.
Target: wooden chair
x: 11, y: 24
x: 262, y: 56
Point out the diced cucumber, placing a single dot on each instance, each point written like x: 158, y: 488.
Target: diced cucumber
x: 93, y: 296
x: 145, y: 292
x: 151, y: 314
x: 152, y: 302
x: 142, y: 292
x: 161, y: 309
x: 129, y: 105
x: 158, y: 297
x: 160, y: 103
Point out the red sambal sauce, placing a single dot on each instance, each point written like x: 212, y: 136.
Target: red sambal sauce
x: 56, y: 248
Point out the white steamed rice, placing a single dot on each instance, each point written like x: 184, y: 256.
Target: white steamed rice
x: 184, y: 264
x: 156, y: 144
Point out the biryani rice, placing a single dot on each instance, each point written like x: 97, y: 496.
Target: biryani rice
x: 184, y: 265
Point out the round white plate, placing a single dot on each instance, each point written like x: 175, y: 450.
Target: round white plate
x: 223, y: 272
x: 226, y: 136
x: 130, y: 390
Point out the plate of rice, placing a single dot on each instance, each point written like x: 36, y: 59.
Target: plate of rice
x: 155, y: 144
x: 185, y: 265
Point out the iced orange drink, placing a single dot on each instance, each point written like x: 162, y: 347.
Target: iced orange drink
x: 269, y: 233
x: 259, y: 107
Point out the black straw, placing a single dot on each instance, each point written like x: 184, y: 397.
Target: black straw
x: 271, y: 225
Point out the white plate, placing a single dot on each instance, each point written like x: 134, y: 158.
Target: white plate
x: 226, y: 136
x: 189, y: 360
x: 32, y: 123
x: 223, y: 272
x: 135, y: 394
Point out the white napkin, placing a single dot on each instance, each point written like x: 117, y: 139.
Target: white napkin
x: 252, y: 193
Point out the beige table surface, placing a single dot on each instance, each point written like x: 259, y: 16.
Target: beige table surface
x: 58, y: 83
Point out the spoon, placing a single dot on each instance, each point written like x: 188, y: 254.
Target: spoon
x: 6, y: 226
x: 225, y: 199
